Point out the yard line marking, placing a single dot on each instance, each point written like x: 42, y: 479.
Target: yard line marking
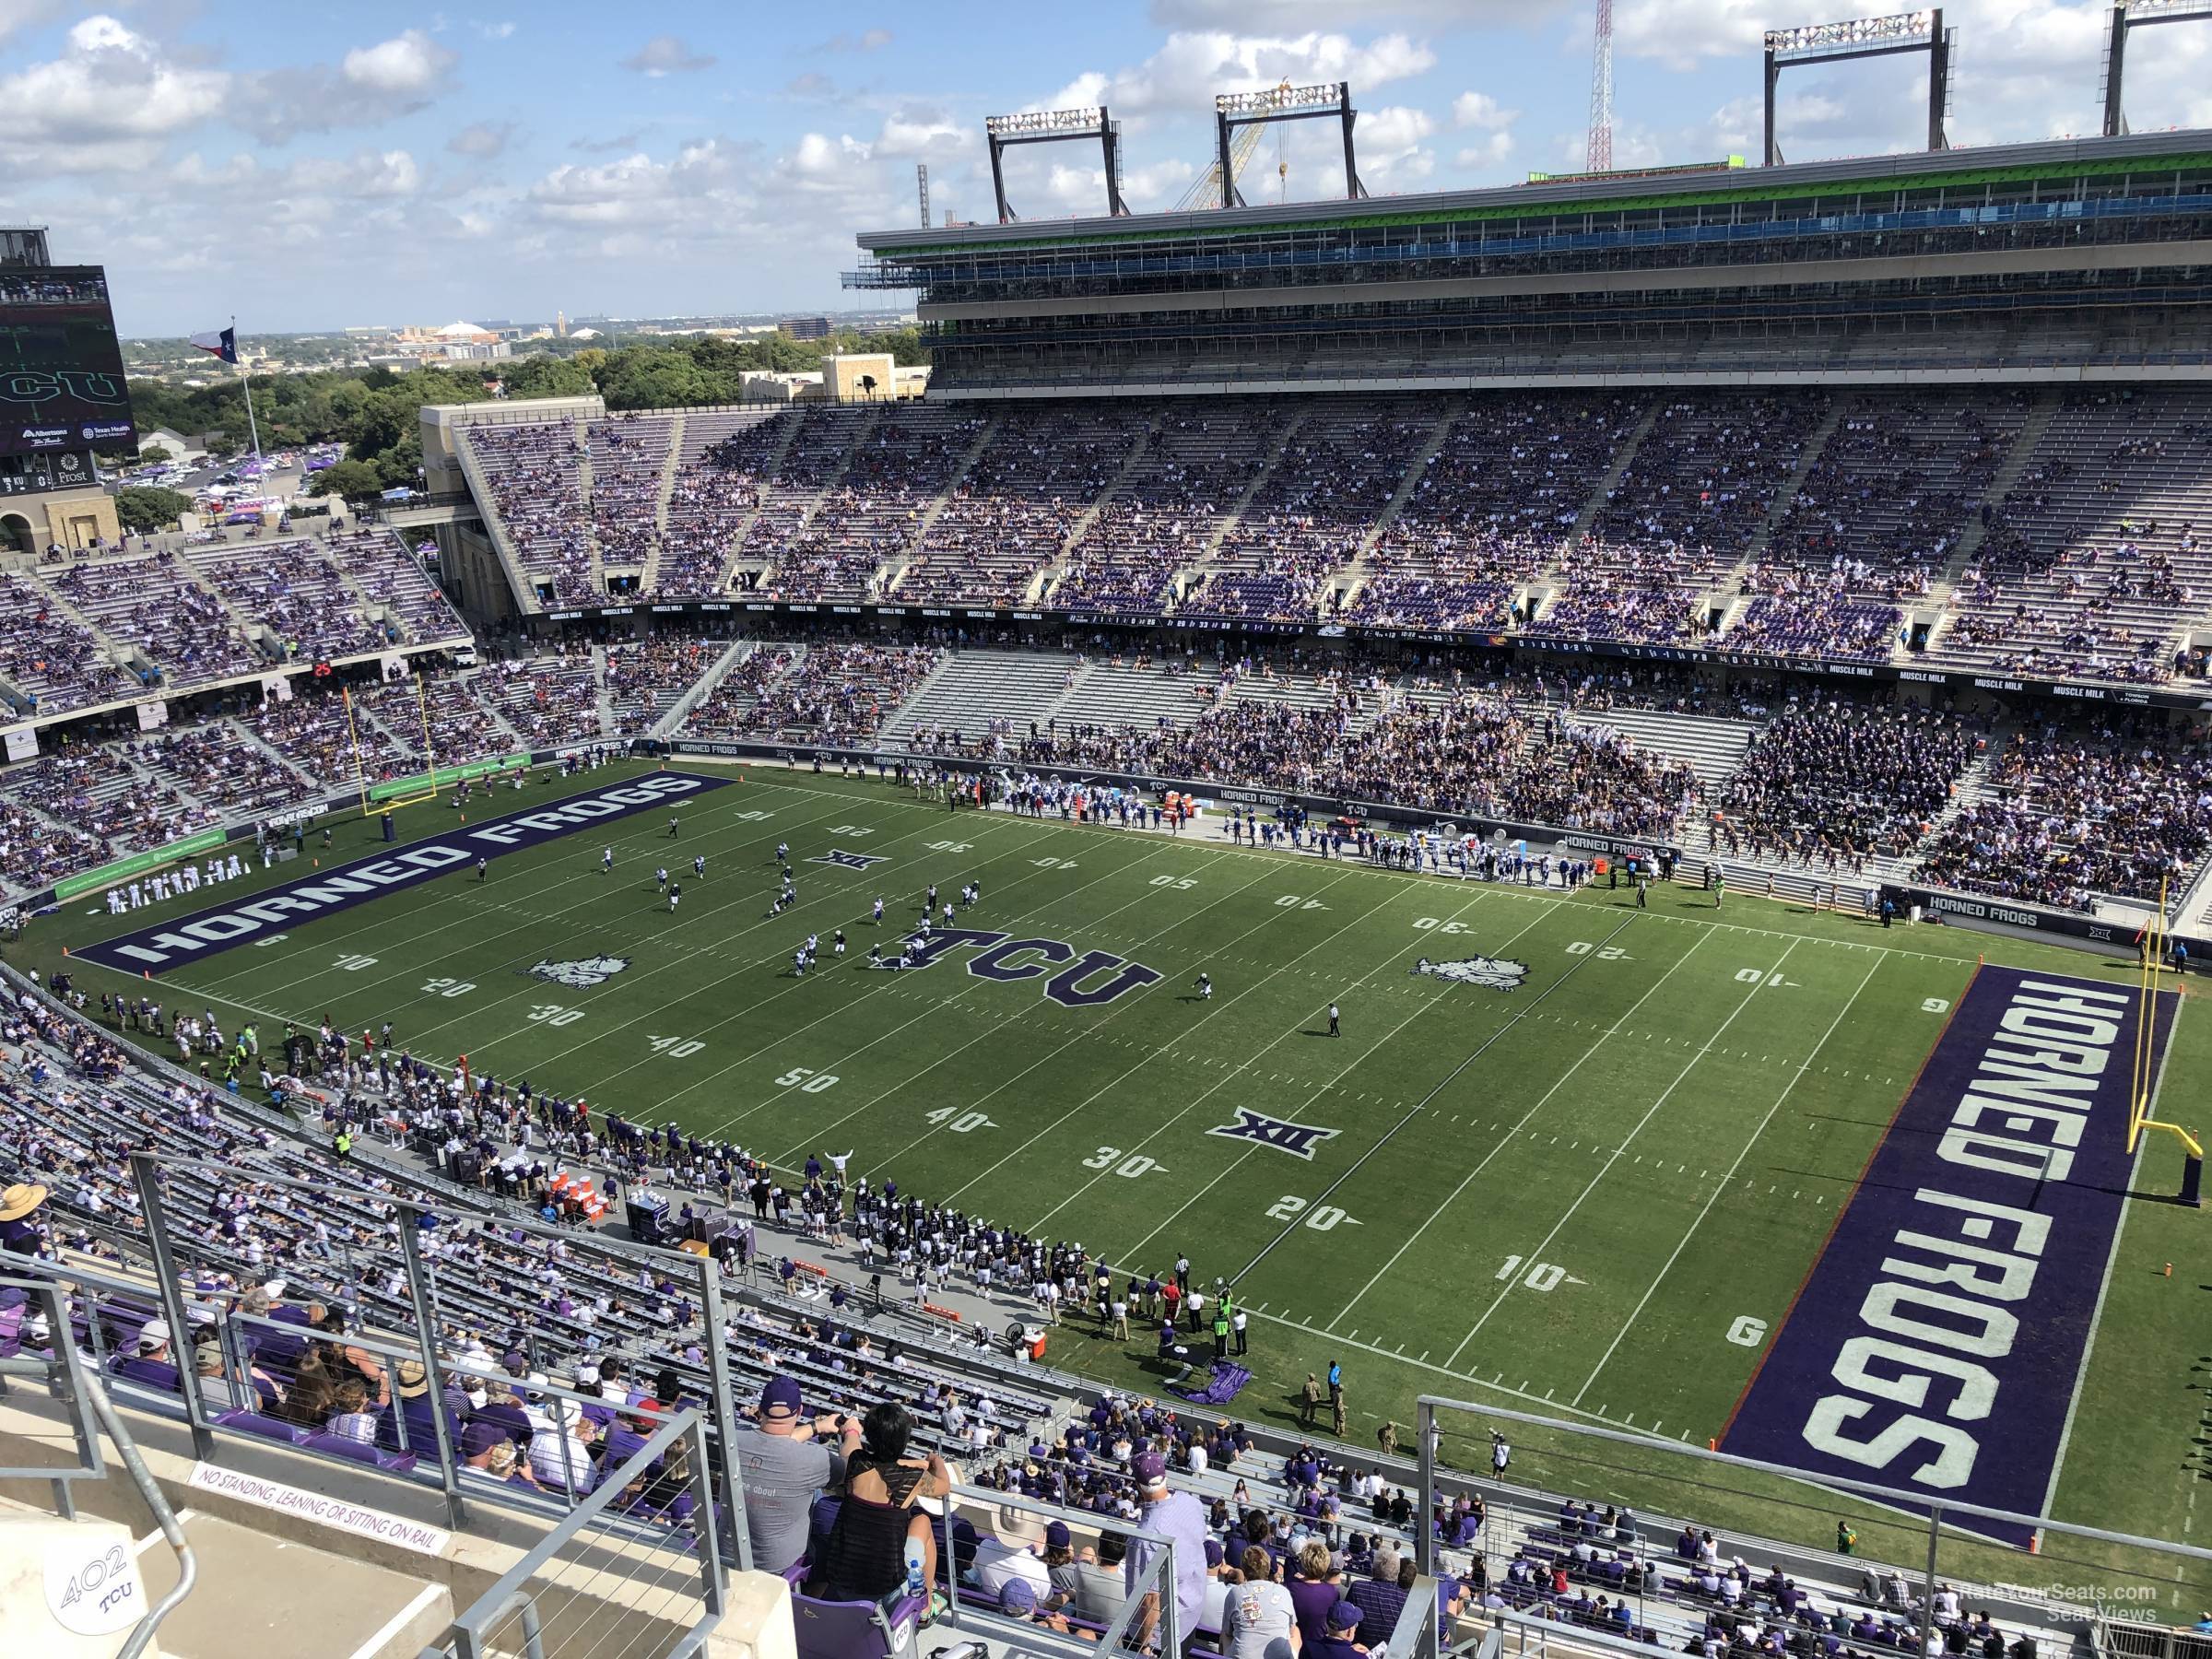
x: 411, y: 921
x: 1237, y: 1162
x: 1433, y: 1216
x: 1667, y: 1266
x: 1650, y: 1112
x: 1080, y: 1035
x: 1445, y: 1082
x: 1115, y: 1082
x: 892, y: 987
x: 744, y: 966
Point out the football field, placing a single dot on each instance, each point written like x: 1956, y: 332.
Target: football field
x: 1561, y: 1153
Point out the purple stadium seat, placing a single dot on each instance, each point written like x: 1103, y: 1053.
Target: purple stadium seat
x: 268, y: 1428
x: 854, y: 1630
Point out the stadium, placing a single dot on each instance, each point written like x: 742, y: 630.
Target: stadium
x: 1488, y: 894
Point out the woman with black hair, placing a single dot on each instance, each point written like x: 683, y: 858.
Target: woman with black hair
x: 864, y: 1559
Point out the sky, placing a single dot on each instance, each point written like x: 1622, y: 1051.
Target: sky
x: 341, y: 164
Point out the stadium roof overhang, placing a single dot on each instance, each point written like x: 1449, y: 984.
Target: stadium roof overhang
x: 1899, y: 171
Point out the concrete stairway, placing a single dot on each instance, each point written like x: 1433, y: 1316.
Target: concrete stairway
x: 971, y: 687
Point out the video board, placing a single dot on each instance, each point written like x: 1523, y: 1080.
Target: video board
x: 61, y: 367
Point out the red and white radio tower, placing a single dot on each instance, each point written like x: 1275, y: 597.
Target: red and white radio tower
x: 1601, y: 93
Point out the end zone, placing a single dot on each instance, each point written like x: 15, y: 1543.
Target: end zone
x: 1937, y: 1343
x: 162, y: 945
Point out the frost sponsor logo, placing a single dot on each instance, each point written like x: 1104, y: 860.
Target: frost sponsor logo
x: 160, y: 947
x: 1493, y: 973
x: 582, y: 972
x: 1940, y: 1338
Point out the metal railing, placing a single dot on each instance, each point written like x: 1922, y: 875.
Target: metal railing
x: 2087, y: 1570
x: 589, y: 1587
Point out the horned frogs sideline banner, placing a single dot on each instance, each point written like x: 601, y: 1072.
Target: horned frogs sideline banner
x: 1937, y: 1343
x: 164, y: 945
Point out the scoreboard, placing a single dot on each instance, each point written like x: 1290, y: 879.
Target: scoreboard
x: 62, y: 382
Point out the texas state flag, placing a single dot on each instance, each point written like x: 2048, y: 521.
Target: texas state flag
x: 223, y: 344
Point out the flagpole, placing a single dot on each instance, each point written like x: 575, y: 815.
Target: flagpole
x: 246, y: 380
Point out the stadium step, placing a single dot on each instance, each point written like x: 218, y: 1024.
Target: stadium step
x: 650, y: 581
x: 696, y: 693
x: 1778, y: 510
x: 2024, y: 447
x: 1135, y: 462
x: 894, y: 564
x: 583, y: 485
x: 1623, y: 457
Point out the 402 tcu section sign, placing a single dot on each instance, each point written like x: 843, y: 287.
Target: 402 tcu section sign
x: 1937, y: 1345
x: 163, y: 945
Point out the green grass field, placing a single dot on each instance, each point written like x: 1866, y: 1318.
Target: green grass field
x: 1565, y: 1198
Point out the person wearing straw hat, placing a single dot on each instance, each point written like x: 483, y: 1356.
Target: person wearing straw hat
x: 20, y: 1234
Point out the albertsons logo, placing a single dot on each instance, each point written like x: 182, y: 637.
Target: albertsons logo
x: 1494, y: 973
x: 585, y: 971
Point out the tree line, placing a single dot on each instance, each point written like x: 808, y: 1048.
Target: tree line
x: 375, y: 412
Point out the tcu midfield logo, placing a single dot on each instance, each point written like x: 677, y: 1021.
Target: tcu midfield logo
x: 1003, y: 956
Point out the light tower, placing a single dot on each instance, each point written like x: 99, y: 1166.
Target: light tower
x: 1600, y: 158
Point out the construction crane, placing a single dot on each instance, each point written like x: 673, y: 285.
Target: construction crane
x: 1205, y: 190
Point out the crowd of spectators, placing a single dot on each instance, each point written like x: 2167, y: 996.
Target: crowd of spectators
x: 1313, y: 510
x: 536, y: 475
x: 715, y: 491
x: 2069, y: 813
x: 154, y: 605
x: 645, y: 677
x: 294, y: 588
x: 1829, y: 781
x: 841, y: 694
x: 1177, y: 494
x: 1012, y: 512
x: 856, y: 537
x: 626, y: 453
x: 48, y: 657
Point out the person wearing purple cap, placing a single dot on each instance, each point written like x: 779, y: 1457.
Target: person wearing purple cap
x: 1182, y: 1518
x: 1341, y: 1639
x: 783, y: 1466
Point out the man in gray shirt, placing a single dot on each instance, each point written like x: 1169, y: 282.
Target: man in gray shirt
x: 785, y: 1466
x: 1181, y: 1518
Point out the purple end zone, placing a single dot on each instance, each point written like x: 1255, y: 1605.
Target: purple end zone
x: 1938, y: 1342
x: 163, y: 945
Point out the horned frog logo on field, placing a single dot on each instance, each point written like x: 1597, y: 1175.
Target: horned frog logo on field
x: 1494, y: 973
x: 582, y: 972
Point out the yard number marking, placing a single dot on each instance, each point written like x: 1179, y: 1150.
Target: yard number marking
x: 964, y: 1123
x: 1136, y: 1164
x: 1289, y: 1207
x: 1541, y: 1276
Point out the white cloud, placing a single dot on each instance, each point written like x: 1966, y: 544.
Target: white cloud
x: 108, y: 84
x: 664, y: 55
x: 481, y: 139
x: 495, y: 32
x: 404, y: 66
x: 871, y: 39
x: 19, y: 15
x: 1487, y: 156
x: 1191, y: 66
x: 1480, y: 109
x: 1289, y: 15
